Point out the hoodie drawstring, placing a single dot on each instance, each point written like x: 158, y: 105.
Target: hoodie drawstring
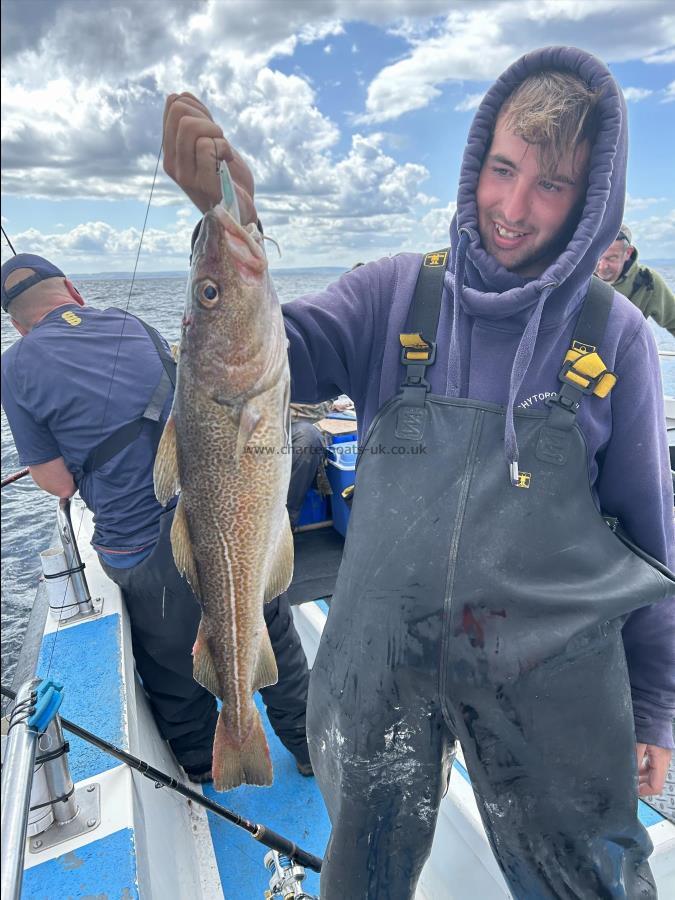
x: 455, y: 359
x: 521, y: 362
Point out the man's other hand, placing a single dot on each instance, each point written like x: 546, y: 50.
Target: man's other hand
x: 652, y: 765
x: 193, y: 144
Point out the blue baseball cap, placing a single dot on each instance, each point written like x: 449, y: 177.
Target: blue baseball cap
x: 41, y: 267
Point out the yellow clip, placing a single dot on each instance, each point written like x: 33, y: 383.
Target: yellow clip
x: 414, y: 346
x: 591, y: 366
x: 439, y: 258
x: 413, y: 341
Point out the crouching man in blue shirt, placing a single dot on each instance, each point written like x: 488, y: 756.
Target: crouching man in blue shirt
x: 86, y: 393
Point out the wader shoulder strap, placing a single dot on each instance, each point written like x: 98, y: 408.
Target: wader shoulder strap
x: 418, y: 345
x: 126, y: 434
x: 583, y: 370
x: 418, y: 341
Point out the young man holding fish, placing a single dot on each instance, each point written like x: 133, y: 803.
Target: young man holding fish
x: 508, y: 587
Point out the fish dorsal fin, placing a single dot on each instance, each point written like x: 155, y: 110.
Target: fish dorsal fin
x: 281, y: 572
x: 165, y: 473
x: 182, y: 547
x: 249, y: 418
x: 266, y: 672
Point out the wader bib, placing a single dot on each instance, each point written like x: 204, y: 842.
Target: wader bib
x: 469, y: 608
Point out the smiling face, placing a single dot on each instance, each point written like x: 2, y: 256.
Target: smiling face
x: 527, y: 216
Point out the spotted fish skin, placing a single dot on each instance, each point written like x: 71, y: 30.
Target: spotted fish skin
x: 227, y: 447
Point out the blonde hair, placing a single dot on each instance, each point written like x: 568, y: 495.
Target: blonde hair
x: 554, y: 111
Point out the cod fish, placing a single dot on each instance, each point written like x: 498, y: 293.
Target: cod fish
x: 226, y: 447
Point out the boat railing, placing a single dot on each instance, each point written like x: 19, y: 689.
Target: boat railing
x: 74, y: 565
x: 17, y: 780
x: 39, y: 799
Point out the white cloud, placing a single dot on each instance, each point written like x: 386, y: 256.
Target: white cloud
x: 656, y: 235
x: 477, y: 41
x: 635, y: 94
x: 86, y: 124
x: 669, y: 93
x: 664, y: 56
x: 636, y: 203
x: 468, y: 103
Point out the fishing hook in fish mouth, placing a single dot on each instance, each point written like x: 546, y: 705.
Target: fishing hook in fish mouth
x: 266, y: 237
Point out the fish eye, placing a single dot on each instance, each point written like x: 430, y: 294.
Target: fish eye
x: 208, y: 294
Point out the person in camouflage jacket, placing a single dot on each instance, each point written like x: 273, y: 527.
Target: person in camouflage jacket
x: 619, y: 266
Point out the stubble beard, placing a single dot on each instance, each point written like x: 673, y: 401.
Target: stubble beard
x: 540, y: 257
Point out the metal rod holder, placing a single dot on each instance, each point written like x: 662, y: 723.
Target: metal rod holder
x: 57, y: 773
x: 73, y: 561
x: 17, y: 779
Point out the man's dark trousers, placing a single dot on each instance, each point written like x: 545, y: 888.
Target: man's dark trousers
x: 164, y: 616
x: 308, y: 450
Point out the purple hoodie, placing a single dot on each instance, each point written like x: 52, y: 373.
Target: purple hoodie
x: 504, y: 342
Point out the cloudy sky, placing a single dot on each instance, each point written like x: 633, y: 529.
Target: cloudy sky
x: 352, y: 113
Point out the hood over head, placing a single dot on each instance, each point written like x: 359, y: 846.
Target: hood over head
x: 493, y: 291
x: 481, y: 286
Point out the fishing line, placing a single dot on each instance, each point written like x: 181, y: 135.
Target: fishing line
x: 112, y: 377
x: 8, y: 240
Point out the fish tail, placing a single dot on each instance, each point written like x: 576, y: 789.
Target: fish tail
x: 245, y: 762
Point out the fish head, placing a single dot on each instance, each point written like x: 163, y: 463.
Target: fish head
x: 230, y: 305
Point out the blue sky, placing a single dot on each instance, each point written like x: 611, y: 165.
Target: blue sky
x: 352, y: 113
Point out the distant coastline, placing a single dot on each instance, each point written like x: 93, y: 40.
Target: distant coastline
x: 140, y: 276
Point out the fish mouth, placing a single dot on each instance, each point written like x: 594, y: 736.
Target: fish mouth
x: 247, y: 256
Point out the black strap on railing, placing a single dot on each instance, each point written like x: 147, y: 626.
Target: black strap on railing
x: 260, y: 832
x: 73, y: 571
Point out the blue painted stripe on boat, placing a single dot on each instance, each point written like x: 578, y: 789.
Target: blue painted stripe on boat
x: 462, y: 771
x: 87, y: 660
x: 292, y: 806
x: 649, y: 816
x: 105, y: 868
x: 322, y: 605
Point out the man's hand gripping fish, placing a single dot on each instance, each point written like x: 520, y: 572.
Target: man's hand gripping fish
x: 226, y: 447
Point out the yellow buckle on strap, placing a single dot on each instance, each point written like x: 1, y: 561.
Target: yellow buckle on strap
x: 414, y: 347
x: 588, y: 372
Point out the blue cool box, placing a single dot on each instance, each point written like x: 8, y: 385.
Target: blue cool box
x: 314, y: 509
x: 340, y: 471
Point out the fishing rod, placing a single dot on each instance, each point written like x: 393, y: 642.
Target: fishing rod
x: 10, y: 479
x: 8, y: 240
x: 261, y: 833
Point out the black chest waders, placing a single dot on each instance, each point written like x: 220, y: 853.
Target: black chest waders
x: 468, y: 608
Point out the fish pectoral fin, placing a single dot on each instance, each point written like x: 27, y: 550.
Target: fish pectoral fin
x: 248, y: 422
x: 182, y: 547
x: 165, y: 473
x: 281, y: 572
x: 203, y: 667
x: 266, y: 672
